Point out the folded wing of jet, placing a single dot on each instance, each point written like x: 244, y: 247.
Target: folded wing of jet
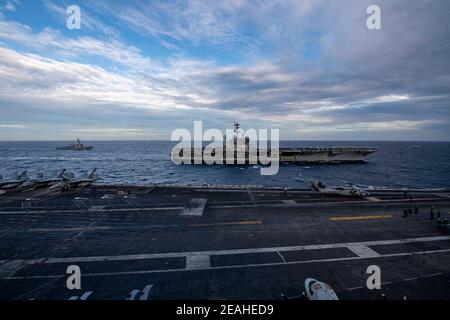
x: 63, y: 180
x: 68, y: 181
x: 15, y: 182
x: 40, y: 181
x: 85, y: 182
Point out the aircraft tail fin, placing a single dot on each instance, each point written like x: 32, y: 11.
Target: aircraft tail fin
x: 61, y: 173
x: 93, y: 174
x: 23, y: 176
x: 68, y: 175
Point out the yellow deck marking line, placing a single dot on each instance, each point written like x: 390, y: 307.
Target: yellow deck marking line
x: 360, y: 218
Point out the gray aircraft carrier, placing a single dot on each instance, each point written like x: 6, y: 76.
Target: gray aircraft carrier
x: 188, y: 242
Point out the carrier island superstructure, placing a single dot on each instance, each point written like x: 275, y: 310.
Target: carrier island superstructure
x: 286, y: 155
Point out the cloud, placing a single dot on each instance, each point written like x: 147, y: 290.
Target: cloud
x: 89, y: 21
x: 10, y: 6
x: 11, y: 126
x: 30, y: 79
x: 172, y: 23
x: 308, y: 64
x: 108, y: 133
x: 54, y: 43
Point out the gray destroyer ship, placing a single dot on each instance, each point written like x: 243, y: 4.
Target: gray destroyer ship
x: 75, y: 146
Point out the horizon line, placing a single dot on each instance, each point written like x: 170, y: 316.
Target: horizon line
x: 155, y: 140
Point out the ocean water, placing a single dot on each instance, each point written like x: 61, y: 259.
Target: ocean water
x: 396, y: 164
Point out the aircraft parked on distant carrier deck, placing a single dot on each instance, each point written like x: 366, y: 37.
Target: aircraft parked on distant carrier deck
x: 68, y: 181
x: 64, y: 180
x: 41, y: 182
x: 18, y: 180
x: 347, y: 190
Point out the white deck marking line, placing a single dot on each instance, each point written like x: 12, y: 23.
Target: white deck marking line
x: 81, y: 211
x: 251, y: 196
x: 403, y: 254
x: 411, y: 279
x: 87, y: 228
x: 75, y: 229
x: 320, y: 204
x: 96, y: 208
x: 232, y: 251
x: 354, y: 288
x: 406, y: 279
x: 83, y: 297
x: 160, y: 226
x: 194, y: 207
x: 140, y: 209
x: 267, y: 205
x: 374, y: 199
x: 363, y: 251
x: 35, y: 211
x: 290, y: 202
x: 46, y: 284
x: 10, y: 268
x: 197, y: 261
x: 281, y: 256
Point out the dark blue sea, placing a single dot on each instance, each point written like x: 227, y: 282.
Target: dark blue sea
x: 396, y: 164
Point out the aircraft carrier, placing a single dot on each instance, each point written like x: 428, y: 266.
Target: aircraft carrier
x: 240, y: 148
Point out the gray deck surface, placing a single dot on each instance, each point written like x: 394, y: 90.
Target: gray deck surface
x: 246, y: 243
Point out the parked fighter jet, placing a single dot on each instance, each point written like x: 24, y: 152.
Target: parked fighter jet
x: 347, y: 190
x: 316, y: 290
x: 18, y: 180
x: 41, y: 182
x: 2, y: 191
x: 85, y: 182
x: 68, y: 181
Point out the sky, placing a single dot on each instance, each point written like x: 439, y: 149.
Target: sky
x: 137, y: 70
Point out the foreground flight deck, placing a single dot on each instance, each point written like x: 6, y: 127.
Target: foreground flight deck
x: 165, y: 242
